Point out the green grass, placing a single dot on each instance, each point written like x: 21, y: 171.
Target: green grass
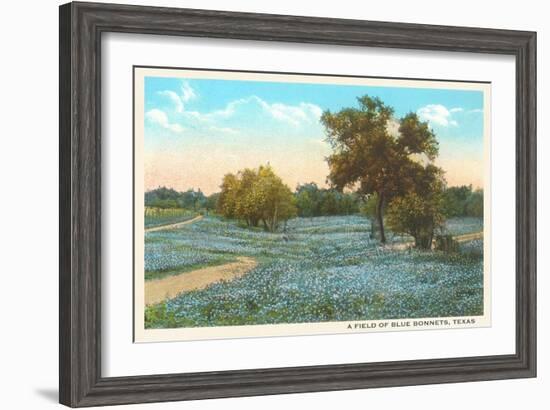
x: 152, y: 275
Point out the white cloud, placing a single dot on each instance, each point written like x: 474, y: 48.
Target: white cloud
x: 174, y: 98
x: 179, y: 100
x: 456, y: 109
x: 187, y: 93
x: 292, y: 114
x: 237, y: 115
x: 295, y: 115
x: 228, y: 111
x: 438, y: 114
x: 159, y: 117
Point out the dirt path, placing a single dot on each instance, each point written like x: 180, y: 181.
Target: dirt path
x: 174, y: 226
x: 459, y: 238
x: 167, y: 288
x: 468, y: 237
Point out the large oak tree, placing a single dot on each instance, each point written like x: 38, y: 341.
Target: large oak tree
x: 377, y: 154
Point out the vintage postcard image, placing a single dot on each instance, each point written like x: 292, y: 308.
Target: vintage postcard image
x: 270, y: 204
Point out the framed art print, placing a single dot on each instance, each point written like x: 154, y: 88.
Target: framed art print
x: 257, y: 204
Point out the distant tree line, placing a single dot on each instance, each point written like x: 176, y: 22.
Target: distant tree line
x: 314, y: 201
x: 462, y: 201
x: 259, y: 197
x: 165, y: 198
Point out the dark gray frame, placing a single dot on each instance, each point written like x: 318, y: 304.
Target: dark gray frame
x: 80, y: 380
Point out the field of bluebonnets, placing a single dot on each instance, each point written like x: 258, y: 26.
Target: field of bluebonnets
x: 321, y: 269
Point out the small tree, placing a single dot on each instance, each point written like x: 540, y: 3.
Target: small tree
x: 420, y: 212
x: 273, y: 199
x: 256, y: 195
x: 248, y: 207
x: 415, y: 216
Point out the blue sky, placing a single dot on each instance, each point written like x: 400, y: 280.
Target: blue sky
x: 196, y: 130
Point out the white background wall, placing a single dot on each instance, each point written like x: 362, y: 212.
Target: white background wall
x: 28, y: 204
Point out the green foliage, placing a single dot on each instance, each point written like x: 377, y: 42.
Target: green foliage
x: 416, y: 137
x: 158, y: 313
x: 162, y: 204
x: 192, y: 199
x: 367, y: 156
x: 420, y: 211
x: 417, y: 216
x: 228, y: 198
x: 307, y: 200
x: 474, y: 204
x: 314, y: 201
x: 211, y: 202
x: 256, y: 195
x: 163, y: 197
x: 462, y: 201
x: 368, y: 208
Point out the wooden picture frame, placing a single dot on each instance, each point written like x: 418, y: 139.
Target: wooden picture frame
x: 80, y: 179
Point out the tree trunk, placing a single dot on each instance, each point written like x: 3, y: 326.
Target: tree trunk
x: 431, y: 238
x: 424, y: 238
x: 274, y: 221
x: 380, y: 217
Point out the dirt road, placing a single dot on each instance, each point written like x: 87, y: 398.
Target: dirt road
x: 167, y: 288
x: 174, y: 226
x: 459, y: 238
